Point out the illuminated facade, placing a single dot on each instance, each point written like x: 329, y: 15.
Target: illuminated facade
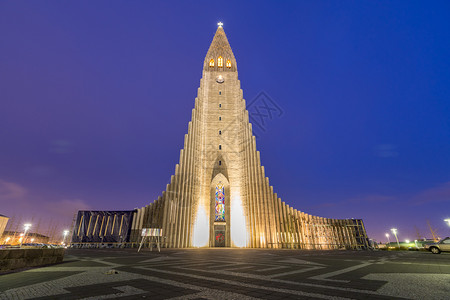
x: 3, y: 222
x: 15, y: 238
x: 219, y: 194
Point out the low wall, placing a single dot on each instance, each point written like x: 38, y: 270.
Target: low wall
x: 11, y: 259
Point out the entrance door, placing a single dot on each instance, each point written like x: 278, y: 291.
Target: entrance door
x: 219, y: 238
x: 219, y: 235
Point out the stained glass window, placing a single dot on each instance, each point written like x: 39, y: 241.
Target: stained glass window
x: 220, y: 203
x: 220, y: 62
x: 211, y: 63
x: 228, y: 63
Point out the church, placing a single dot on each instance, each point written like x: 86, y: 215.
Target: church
x: 219, y: 195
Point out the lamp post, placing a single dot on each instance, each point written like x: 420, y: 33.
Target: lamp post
x: 25, y: 227
x: 65, y: 233
x: 448, y: 221
x: 387, y: 235
x: 394, y: 231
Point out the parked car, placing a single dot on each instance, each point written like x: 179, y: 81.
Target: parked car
x: 441, y: 246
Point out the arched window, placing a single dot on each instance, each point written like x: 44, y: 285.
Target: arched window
x: 220, y: 62
x: 228, y: 64
x: 220, y: 203
x: 211, y: 63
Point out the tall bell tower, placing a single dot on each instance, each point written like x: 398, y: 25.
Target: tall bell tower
x: 222, y: 152
x: 219, y: 195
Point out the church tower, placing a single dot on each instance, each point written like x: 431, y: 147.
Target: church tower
x: 219, y: 195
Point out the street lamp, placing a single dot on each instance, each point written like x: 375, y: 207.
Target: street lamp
x: 407, y: 241
x: 65, y: 233
x: 448, y: 221
x: 394, y: 231
x: 25, y: 227
x: 387, y: 235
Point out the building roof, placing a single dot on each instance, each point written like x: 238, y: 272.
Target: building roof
x: 220, y: 47
x: 34, y: 234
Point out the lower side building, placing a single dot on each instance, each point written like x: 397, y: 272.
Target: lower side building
x: 298, y: 230
x: 102, y: 227
x: 292, y: 229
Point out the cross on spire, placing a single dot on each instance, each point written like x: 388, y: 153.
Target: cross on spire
x: 220, y: 24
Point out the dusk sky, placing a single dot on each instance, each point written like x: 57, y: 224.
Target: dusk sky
x: 96, y: 96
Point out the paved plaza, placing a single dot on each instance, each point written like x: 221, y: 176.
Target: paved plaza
x: 234, y: 274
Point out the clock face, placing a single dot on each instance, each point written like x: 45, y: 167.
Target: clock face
x: 219, y: 79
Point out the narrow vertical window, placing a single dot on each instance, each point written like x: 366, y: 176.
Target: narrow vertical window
x: 220, y: 132
x: 220, y: 203
x: 211, y: 63
x: 220, y: 147
x: 220, y: 92
x: 220, y: 104
x: 220, y: 118
x: 220, y: 62
x: 220, y: 162
x: 228, y: 64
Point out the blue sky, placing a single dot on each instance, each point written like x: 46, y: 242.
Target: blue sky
x: 95, y: 98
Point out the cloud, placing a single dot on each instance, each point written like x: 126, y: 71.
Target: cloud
x: 61, y: 146
x: 66, y: 207
x: 386, y: 150
x: 362, y: 199
x: 323, y: 205
x: 11, y: 190
x: 41, y: 171
x: 22, y: 205
x: 436, y: 194
x: 370, y: 199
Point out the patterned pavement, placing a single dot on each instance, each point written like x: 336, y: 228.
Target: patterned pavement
x: 234, y: 274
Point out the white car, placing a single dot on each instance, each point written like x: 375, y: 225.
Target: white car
x: 441, y: 246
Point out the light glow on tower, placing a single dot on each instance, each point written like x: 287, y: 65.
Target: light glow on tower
x: 238, y: 228
x: 200, y: 234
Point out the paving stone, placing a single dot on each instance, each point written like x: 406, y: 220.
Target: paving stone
x: 214, y: 274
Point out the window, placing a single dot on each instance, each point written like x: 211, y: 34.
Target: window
x: 220, y: 92
x: 220, y: 132
x: 220, y: 118
x: 211, y: 63
x: 220, y: 62
x: 220, y: 162
x: 220, y: 104
x: 220, y: 147
x: 220, y: 203
x: 228, y: 64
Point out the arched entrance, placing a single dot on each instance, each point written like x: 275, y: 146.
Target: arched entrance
x: 220, y: 211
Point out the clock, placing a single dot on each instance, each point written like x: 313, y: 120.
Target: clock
x: 219, y: 79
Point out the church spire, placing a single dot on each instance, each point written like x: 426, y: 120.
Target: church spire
x: 220, y: 57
